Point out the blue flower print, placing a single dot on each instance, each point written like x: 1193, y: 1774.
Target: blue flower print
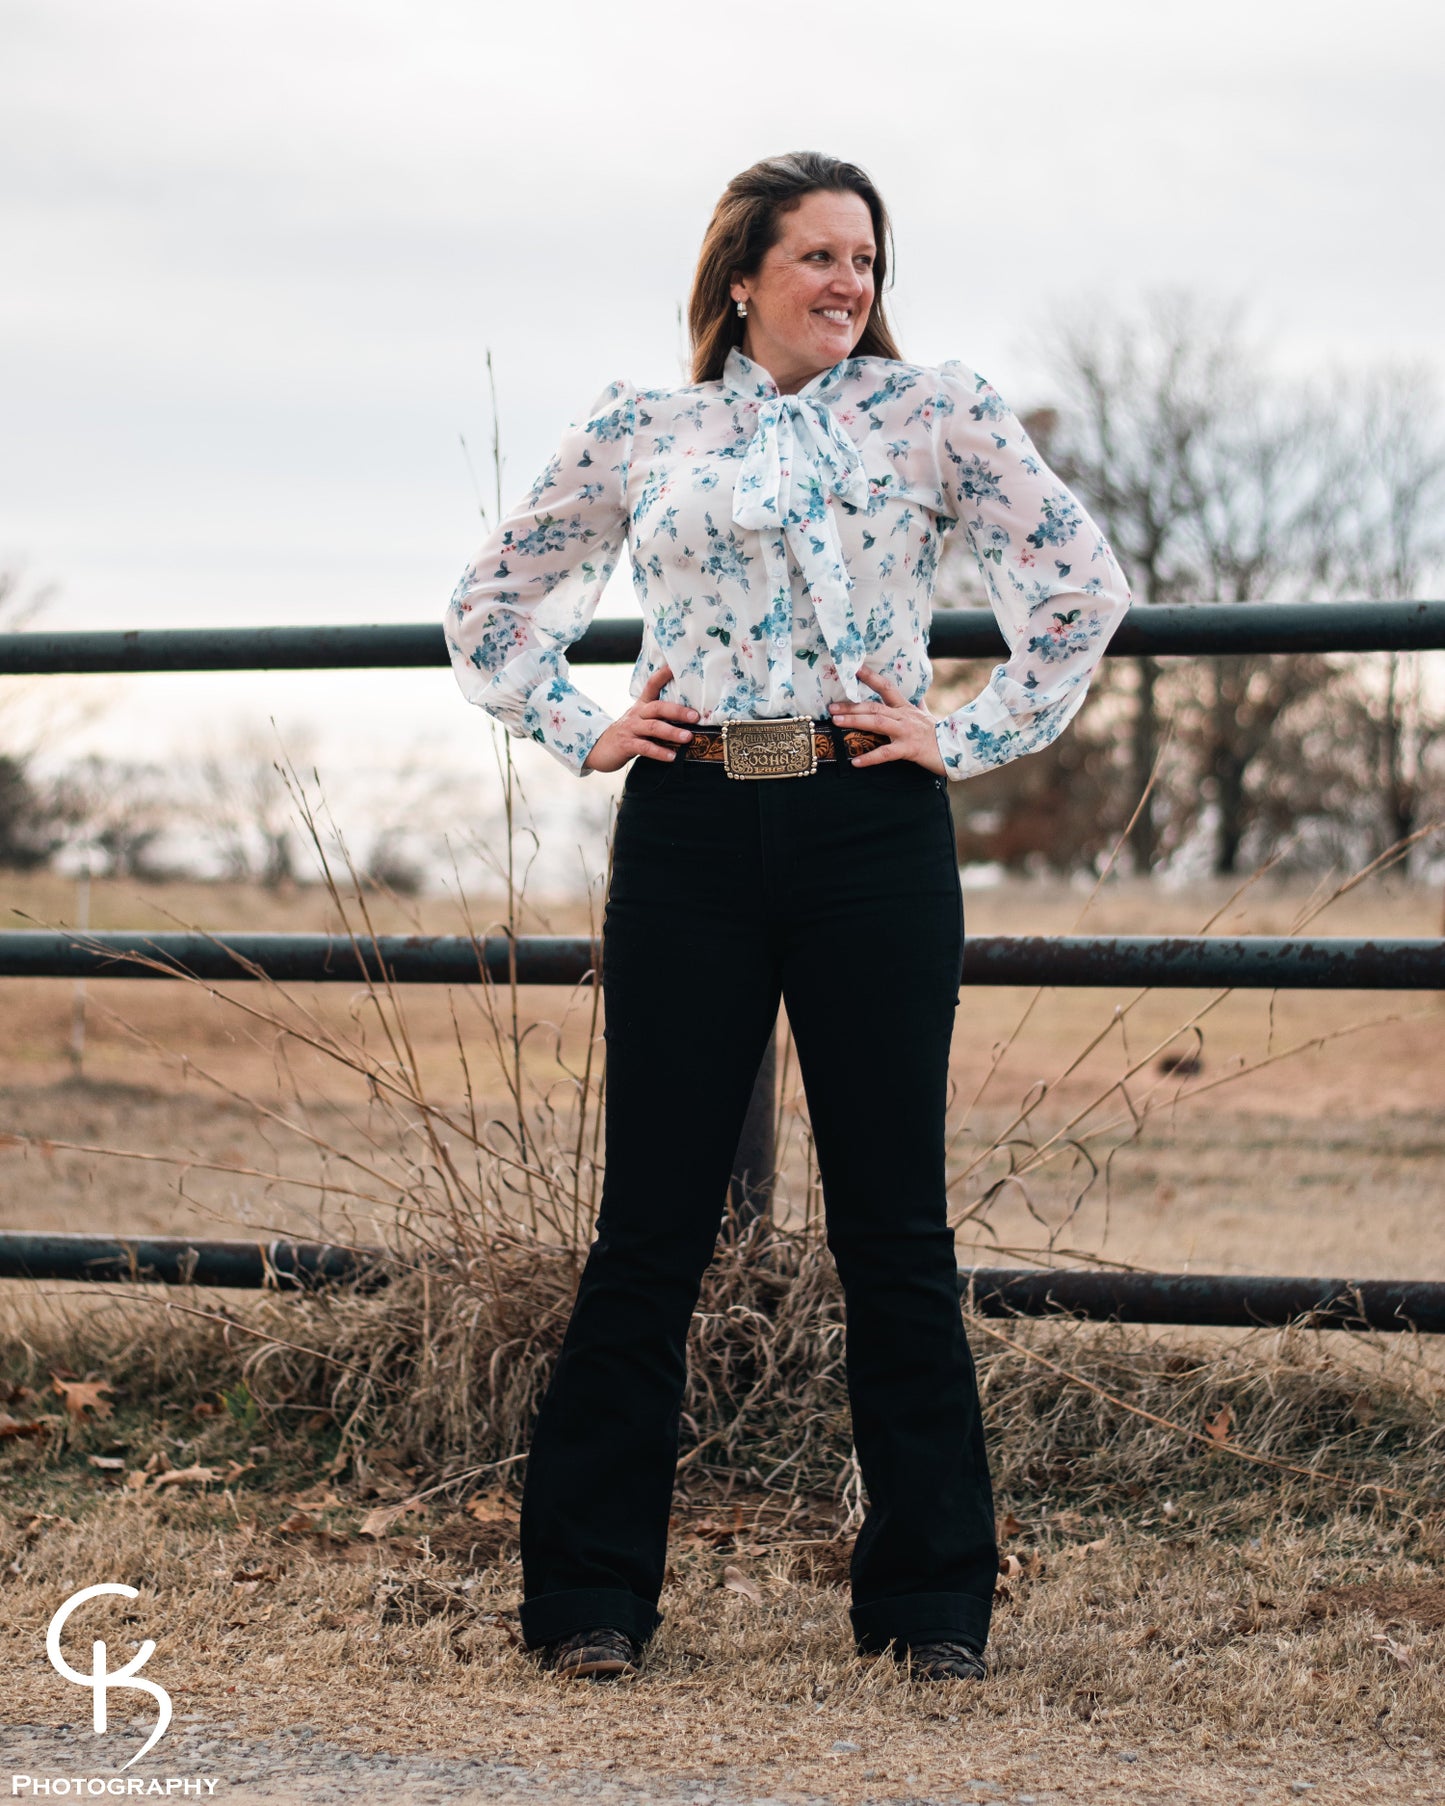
x: 548, y: 535
x: 723, y: 623
x: 1061, y: 517
x: 989, y: 747
x: 776, y: 542
x: 547, y: 480
x: 611, y: 426
x: 976, y: 481
x: 1067, y: 633
x: 991, y: 540
x: 727, y: 559
x: 776, y: 622
x: 669, y: 628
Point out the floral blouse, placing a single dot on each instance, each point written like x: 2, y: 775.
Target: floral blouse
x: 780, y: 541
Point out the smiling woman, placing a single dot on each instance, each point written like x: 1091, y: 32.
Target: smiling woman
x: 813, y: 291
x: 784, y: 512
x: 806, y: 272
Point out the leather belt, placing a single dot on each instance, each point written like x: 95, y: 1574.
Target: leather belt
x: 789, y: 746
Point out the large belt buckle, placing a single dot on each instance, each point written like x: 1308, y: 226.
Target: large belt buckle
x: 781, y: 748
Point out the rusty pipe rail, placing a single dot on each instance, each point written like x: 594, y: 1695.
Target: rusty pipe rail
x: 1162, y: 630
x: 1201, y: 1299
x: 1250, y: 962
x: 272, y: 1264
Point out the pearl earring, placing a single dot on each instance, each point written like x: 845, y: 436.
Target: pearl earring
x: 742, y: 310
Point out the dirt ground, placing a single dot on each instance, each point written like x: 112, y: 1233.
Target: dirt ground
x: 1137, y: 1658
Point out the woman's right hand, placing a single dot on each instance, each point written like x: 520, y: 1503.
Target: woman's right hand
x: 648, y: 722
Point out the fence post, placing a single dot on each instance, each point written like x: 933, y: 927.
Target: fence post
x: 750, y: 1190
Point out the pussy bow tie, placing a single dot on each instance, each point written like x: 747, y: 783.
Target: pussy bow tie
x: 797, y: 462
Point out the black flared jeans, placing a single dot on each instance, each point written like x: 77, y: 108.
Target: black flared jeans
x: 838, y: 894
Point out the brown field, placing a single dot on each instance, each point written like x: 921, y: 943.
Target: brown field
x: 1241, y: 1636
x: 1328, y: 1158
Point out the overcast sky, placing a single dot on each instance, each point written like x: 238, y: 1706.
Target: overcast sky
x: 255, y: 253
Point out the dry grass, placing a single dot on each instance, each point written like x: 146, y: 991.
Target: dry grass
x: 352, y: 1565
x: 445, y: 1367
x: 1173, y: 1661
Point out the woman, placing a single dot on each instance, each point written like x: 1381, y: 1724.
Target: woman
x: 784, y: 513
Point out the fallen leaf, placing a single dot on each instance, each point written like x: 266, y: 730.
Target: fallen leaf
x: 381, y: 1518
x: 299, y: 1523
x: 249, y: 1580
x: 1404, y: 1653
x: 320, y: 1496
x: 491, y: 1508
x: 1010, y: 1567
x: 111, y: 1464
x: 80, y: 1396
x: 31, y: 1527
x: 738, y: 1582
x: 1216, y: 1428
x: 15, y: 1426
x: 176, y: 1476
x: 1010, y: 1525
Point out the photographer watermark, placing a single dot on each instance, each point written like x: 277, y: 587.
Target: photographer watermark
x: 43, y: 1787
x: 101, y: 1679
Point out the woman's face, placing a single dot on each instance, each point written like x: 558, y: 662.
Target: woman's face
x: 813, y: 292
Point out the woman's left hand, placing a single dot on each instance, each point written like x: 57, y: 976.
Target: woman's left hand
x: 909, y: 726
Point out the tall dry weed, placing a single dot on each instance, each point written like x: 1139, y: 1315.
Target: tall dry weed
x: 481, y: 1189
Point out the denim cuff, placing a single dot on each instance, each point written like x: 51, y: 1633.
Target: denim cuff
x: 554, y: 1615
x: 920, y: 1617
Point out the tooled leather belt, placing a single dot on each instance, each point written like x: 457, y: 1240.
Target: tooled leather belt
x: 789, y: 747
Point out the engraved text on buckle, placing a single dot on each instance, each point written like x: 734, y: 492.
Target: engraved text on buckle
x: 769, y: 749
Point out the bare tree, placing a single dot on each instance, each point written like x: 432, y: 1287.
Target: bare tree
x: 1135, y: 393
x: 1216, y: 481
x: 243, y: 808
x: 1262, y: 489
x: 32, y: 824
x: 121, y: 810
x: 1389, y: 545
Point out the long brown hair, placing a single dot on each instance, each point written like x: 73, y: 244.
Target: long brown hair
x: 744, y: 228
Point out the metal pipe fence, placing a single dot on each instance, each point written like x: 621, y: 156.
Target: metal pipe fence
x: 1217, y: 1300
x: 1250, y: 962
x: 1195, y: 630
x: 1181, y: 962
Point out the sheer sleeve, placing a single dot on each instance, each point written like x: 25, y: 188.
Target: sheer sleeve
x: 534, y: 585
x: 1055, y: 586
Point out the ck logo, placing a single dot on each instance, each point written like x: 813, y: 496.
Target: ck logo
x: 102, y: 1679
